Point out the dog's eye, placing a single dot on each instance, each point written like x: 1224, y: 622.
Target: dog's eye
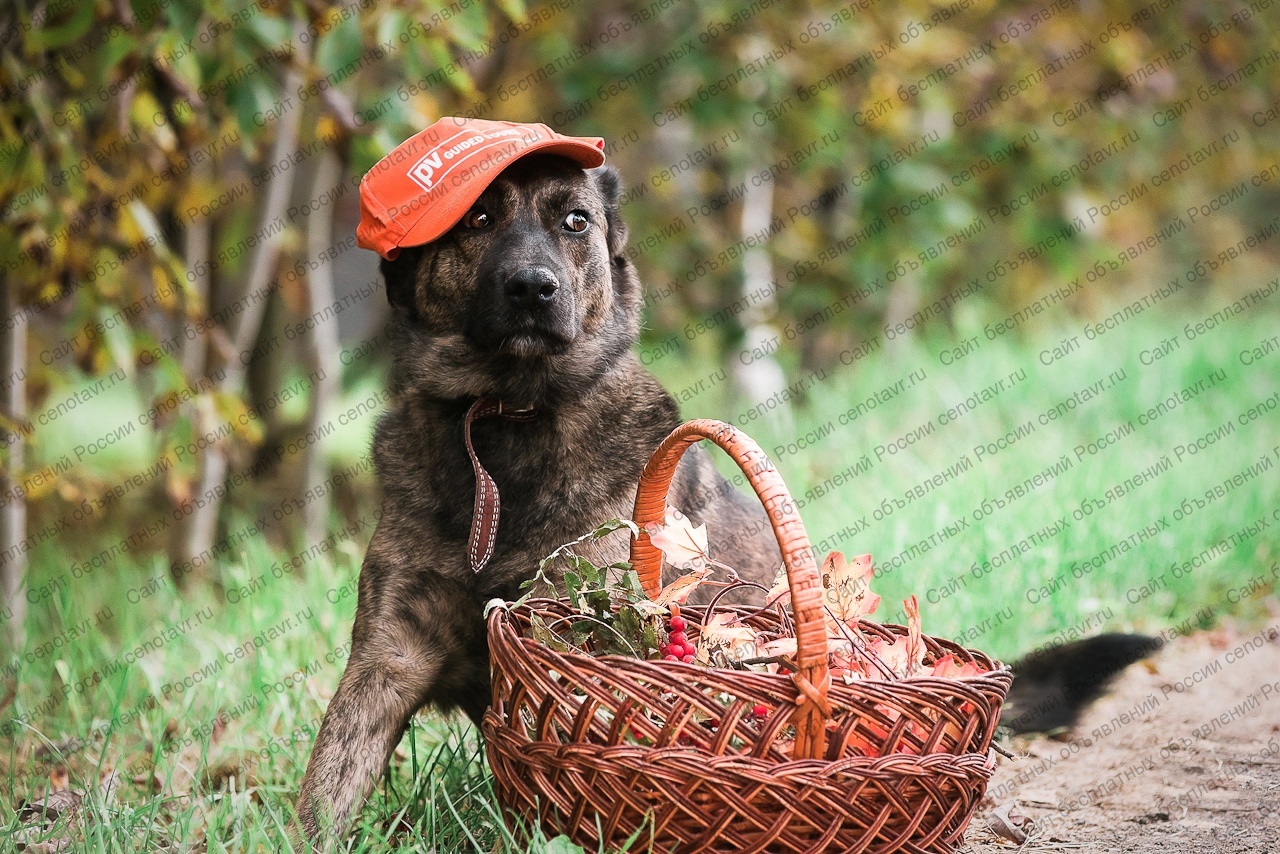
x: 576, y: 222
x: 476, y: 218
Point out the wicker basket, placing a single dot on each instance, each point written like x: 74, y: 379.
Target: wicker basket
x: 670, y: 756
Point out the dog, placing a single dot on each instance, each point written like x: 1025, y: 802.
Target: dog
x: 527, y: 301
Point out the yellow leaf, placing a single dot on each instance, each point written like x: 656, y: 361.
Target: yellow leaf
x: 166, y: 293
x: 149, y: 116
x: 38, y: 484
x: 327, y: 129
x: 232, y: 409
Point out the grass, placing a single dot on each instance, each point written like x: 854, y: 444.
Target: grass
x: 191, y: 782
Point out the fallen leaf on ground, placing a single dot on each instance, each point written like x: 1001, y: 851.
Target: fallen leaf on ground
x: 1007, y: 823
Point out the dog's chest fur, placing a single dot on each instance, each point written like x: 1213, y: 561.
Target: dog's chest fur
x: 559, y: 475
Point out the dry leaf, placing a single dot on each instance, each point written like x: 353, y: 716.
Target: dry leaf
x: 678, y: 591
x: 892, y: 654
x: 849, y: 664
x: 683, y: 544
x: 949, y: 667
x: 915, y: 637
x: 57, y: 804
x: 847, y: 588
x: 726, y: 631
x: 781, y: 648
x: 781, y: 589
x: 1007, y: 823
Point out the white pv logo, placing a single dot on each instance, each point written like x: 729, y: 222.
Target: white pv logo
x: 423, y: 172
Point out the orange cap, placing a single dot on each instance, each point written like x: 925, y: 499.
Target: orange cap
x: 425, y: 184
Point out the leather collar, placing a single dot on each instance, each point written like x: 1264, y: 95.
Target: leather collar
x: 488, y: 505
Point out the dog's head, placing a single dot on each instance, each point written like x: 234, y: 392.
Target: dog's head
x: 529, y: 297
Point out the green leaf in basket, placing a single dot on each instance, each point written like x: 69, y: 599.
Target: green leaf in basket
x: 615, y: 525
x: 628, y: 625
x: 562, y: 845
x: 573, y: 584
x: 591, y: 574
x: 628, y: 583
x: 649, y: 638
x: 648, y: 608
x: 600, y: 601
x: 583, y: 631
x: 543, y: 634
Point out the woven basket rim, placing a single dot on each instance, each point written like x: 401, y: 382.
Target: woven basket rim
x: 1001, y: 667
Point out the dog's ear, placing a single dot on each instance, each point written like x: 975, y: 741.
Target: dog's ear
x: 610, y: 184
x: 401, y: 276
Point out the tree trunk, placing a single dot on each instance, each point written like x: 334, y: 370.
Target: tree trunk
x: 198, y: 535
x: 197, y: 250
x: 13, y: 504
x: 763, y: 377
x: 324, y: 343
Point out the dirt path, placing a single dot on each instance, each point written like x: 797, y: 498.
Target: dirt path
x: 1181, y: 757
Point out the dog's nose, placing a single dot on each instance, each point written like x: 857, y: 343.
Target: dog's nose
x: 532, y: 287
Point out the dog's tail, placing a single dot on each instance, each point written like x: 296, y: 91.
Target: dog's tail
x: 1053, y: 685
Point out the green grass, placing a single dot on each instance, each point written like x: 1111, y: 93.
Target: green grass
x: 187, y: 783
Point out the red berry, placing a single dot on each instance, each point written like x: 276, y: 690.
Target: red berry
x: 670, y: 658
x: 678, y: 638
x: 760, y: 710
x: 690, y: 649
x: 688, y: 658
x: 677, y: 624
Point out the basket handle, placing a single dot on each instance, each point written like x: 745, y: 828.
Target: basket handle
x: 811, y: 678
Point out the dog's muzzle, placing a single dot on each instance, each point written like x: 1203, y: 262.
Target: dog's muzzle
x: 532, y: 289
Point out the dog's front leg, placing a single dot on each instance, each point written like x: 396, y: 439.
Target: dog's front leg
x: 395, y: 662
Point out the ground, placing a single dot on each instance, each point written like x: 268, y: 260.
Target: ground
x: 1182, y: 756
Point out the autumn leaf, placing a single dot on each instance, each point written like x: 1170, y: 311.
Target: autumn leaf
x: 892, y: 654
x: 682, y: 543
x: 726, y: 631
x: 780, y: 648
x: 678, y: 591
x: 847, y: 588
x: 847, y: 664
x: 915, y: 637
x: 948, y: 667
x: 781, y: 589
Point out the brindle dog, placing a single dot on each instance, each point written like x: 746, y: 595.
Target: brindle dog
x: 531, y: 300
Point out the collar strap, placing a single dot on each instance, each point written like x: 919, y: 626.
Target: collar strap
x: 488, y: 506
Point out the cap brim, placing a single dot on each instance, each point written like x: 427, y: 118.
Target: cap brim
x: 445, y: 214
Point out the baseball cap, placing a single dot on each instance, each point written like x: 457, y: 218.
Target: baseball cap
x: 425, y: 184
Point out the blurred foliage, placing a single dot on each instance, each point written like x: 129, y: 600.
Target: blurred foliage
x: 127, y: 123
